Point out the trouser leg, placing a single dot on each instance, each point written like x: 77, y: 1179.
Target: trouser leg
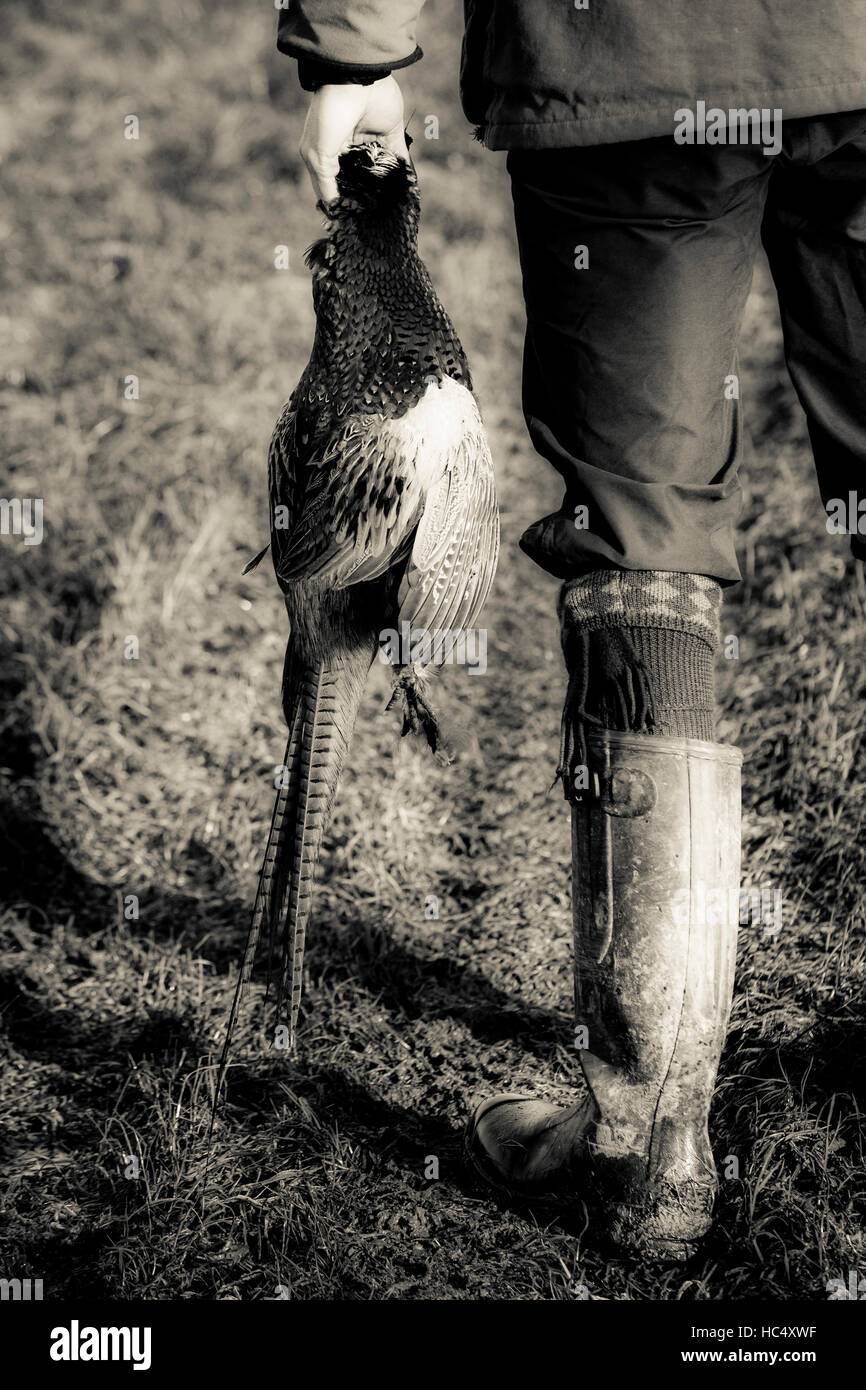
x: 637, y: 260
x: 815, y: 236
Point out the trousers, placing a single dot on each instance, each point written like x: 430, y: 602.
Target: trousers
x: 637, y: 260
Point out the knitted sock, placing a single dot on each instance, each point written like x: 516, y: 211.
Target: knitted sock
x: 640, y: 649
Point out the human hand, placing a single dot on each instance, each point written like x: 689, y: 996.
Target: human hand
x: 344, y: 114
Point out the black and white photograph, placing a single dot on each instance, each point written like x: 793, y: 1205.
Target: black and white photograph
x: 432, y: 670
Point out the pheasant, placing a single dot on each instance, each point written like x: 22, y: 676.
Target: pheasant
x: 383, y: 513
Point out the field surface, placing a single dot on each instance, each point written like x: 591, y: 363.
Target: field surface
x: 140, y: 730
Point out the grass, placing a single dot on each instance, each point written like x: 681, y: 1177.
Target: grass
x: 151, y: 778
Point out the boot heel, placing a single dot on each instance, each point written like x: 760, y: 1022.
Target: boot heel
x: 668, y: 1227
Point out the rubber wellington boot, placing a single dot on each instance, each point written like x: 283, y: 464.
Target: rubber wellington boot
x: 656, y: 872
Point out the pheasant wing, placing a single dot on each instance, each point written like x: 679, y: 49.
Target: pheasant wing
x: 363, y: 498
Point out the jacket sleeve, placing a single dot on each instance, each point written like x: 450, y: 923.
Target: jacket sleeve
x: 348, y: 40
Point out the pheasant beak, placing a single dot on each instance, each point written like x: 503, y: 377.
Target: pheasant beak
x: 380, y: 160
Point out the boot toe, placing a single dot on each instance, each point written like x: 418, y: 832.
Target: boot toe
x: 511, y: 1140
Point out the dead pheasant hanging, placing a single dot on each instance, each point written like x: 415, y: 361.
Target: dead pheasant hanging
x: 383, y: 512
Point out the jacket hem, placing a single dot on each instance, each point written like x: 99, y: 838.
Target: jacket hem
x: 647, y: 122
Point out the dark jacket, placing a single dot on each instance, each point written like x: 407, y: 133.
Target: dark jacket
x: 543, y: 73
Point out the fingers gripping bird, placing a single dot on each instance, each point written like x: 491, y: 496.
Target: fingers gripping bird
x: 383, y: 512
